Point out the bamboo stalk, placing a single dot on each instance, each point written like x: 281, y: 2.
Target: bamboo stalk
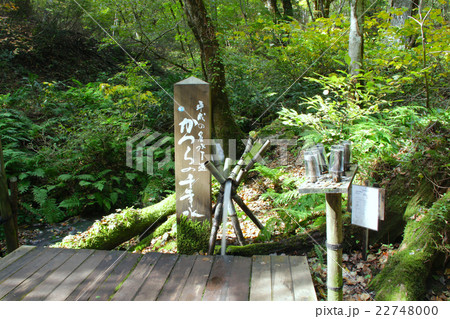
x: 247, y: 211
x: 236, y: 226
x: 227, y: 167
x: 257, y: 155
x: 215, y: 172
x: 334, y: 248
x: 252, y: 162
x: 215, y: 224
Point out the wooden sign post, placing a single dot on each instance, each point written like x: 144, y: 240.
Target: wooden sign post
x: 192, y: 124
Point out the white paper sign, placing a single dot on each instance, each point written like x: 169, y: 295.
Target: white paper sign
x: 367, y: 206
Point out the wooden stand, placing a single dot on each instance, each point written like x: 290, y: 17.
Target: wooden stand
x: 228, y: 194
x: 333, y: 195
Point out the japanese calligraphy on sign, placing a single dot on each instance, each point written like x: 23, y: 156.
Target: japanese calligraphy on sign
x: 192, y: 131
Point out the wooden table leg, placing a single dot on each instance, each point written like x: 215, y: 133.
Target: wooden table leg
x: 334, y: 246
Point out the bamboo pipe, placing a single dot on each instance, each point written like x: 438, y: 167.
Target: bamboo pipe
x: 215, y: 172
x: 252, y: 161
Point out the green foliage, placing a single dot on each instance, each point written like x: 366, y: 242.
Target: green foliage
x: 319, y: 253
x: 347, y: 110
x: 273, y: 174
x: 67, y: 147
x: 293, y: 211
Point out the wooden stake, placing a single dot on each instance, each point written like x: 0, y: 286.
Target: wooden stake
x: 6, y: 213
x: 334, y: 246
x: 365, y: 243
x: 14, y: 198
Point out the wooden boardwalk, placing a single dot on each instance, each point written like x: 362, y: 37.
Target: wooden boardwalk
x: 38, y: 273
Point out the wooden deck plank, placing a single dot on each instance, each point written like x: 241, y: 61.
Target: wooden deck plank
x: 75, y: 278
x: 41, y: 291
x: 281, y: 279
x: 26, y: 271
x: 64, y: 274
x: 155, y: 281
x: 130, y: 287
x: 217, y: 285
x: 21, y: 262
x: 26, y: 286
x: 96, y: 278
x: 301, y: 279
x: 119, y: 273
x: 196, y: 283
x: 16, y: 254
x: 239, y: 285
x: 261, y: 283
x: 177, y: 280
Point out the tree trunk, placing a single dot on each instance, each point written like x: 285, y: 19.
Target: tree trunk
x: 322, y: 8
x: 356, y: 37
x: 310, y: 11
x: 116, y: 229
x: 288, y: 10
x: 399, y: 20
x: 404, y: 276
x: 224, y: 125
x: 272, y: 6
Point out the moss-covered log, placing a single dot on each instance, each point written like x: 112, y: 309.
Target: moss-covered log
x: 404, y: 276
x: 115, y: 229
x: 159, y: 231
x: 298, y: 244
x: 425, y: 173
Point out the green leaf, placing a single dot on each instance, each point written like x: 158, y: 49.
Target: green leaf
x: 85, y: 183
x: 114, y: 197
x: 87, y: 177
x: 40, y: 195
x: 99, y: 185
x: 70, y: 203
x: 107, y: 204
x: 131, y: 176
x: 64, y: 177
x: 38, y: 172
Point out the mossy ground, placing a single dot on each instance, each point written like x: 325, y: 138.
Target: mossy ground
x: 192, y: 236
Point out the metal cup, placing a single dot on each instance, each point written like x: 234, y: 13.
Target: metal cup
x: 322, y: 158
x: 337, y: 162
x: 312, y: 165
x: 347, y: 154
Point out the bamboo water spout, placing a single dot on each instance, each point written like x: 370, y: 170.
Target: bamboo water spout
x: 227, y: 195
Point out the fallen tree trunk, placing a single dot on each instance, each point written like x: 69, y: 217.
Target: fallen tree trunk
x: 115, y: 229
x: 298, y: 244
x: 404, y: 276
x: 426, y: 173
x: 161, y: 230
